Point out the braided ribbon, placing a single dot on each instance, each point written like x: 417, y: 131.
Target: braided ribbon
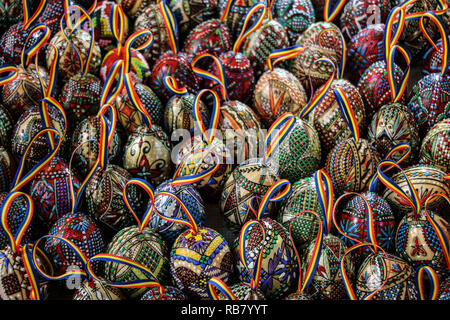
x: 347, y: 111
x: 371, y: 233
x: 270, y: 196
x: 330, y: 13
x: 433, y: 280
x: 171, y: 24
x: 84, y: 65
x: 315, y: 99
x: 107, y: 131
x: 257, y: 270
x: 278, y: 132
x: 28, y: 17
x: 404, y: 148
x: 19, y: 180
x: 27, y: 54
x: 279, y: 55
x: 347, y: 281
x: 413, y: 201
x: 142, y: 223
x: 246, y: 33
x: 315, y: 256
x: 11, y: 71
x: 325, y: 193
x: 443, y: 240
x: 172, y: 85
x: 190, y: 223
x: 444, y: 36
x: 215, y: 283
x: 343, y: 60
x: 221, y: 79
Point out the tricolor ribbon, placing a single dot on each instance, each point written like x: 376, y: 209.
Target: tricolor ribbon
x: 444, y: 36
x: 405, y: 151
x: 226, y: 11
x: 117, y: 21
x: 190, y: 223
x: 172, y: 85
x: 277, y: 192
x: 315, y: 99
x: 246, y: 33
x: 398, y: 91
x: 215, y: 114
x: 441, y: 235
x: 413, y: 200
x: 433, y: 281
x: 315, y: 255
x: 107, y: 130
x: 343, y: 60
x: 170, y: 23
x: 84, y: 65
x: 347, y: 111
x: 148, y: 281
x: 27, y: 54
x: 243, y: 255
x: 68, y: 4
x: 220, y: 80
x: 108, y: 96
x: 11, y: 74
x: 20, y: 180
x: 28, y: 16
x: 370, y: 225
x: 325, y: 193
x: 15, y: 240
x: 417, y: 15
x: 329, y: 12
x: 278, y: 132
x: 279, y: 55
x: 142, y: 223
x: 395, y: 23
x: 215, y: 283
x: 347, y: 280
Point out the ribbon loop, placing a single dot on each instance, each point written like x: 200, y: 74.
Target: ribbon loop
x: 397, y: 92
x: 215, y: 283
x: 325, y: 192
x: 221, y: 79
x: 142, y: 223
x: 347, y: 281
x: 444, y: 36
x: 107, y: 131
x: 246, y: 33
x: 117, y: 21
x: 16, y: 239
x: 316, y: 253
x: 172, y: 85
x: 347, y: 112
x: 73, y: 247
x: 256, y: 274
x: 190, y: 223
x: 226, y: 11
x: 84, y: 65
x: 278, y: 132
x: 27, y: 54
x: 271, y: 196
x: 371, y: 233
x: 20, y: 181
x: 433, y: 280
x: 329, y: 12
x: 11, y: 71
x: 279, y: 55
x: 129, y: 46
x: 215, y: 113
x: 317, y: 98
